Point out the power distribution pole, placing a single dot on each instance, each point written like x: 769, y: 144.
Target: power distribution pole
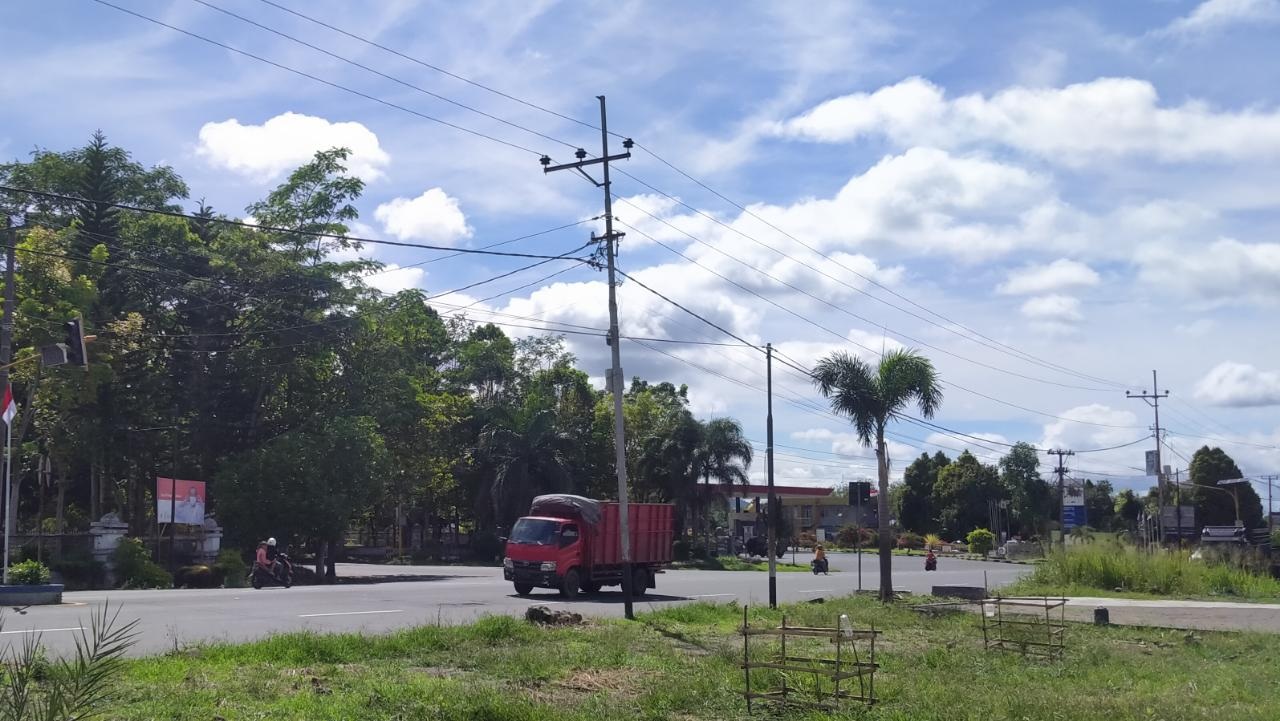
x: 1153, y: 400
x: 773, y: 500
x: 6, y: 351
x: 1061, y: 470
x: 1271, y: 526
x: 610, y: 239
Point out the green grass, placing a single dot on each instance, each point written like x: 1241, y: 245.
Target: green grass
x: 1110, y: 568
x: 733, y: 563
x: 682, y: 663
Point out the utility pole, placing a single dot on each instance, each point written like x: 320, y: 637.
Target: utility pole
x: 773, y: 505
x: 6, y: 354
x: 1271, y: 526
x: 1153, y: 399
x: 610, y: 239
x: 1061, y: 470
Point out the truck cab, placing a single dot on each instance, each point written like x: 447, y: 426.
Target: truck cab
x: 541, y: 552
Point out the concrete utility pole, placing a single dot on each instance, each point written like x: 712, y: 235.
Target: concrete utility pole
x: 1271, y: 526
x: 1061, y: 470
x: 1153, y: 400
x: 610, y: 239
x: 773, y: 500
x: 6, y: 353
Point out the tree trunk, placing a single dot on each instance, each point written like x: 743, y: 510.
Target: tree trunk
x: 331, y: 568
x: 320, y: 560
x: 882, y: 510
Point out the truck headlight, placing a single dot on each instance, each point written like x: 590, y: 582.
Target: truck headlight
x: 507, y: 563
x: 548, y: 566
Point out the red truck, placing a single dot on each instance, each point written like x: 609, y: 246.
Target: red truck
x: 571, y: 544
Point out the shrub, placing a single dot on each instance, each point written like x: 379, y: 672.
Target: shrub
x: 981, y: 541
x: 28, y: 573
x: 847, y: 537
x: 80, y: 571
x: 1110, y: 567
x: 134, y: 569
x: 807, y: 539
x: 912, y: 541
x: 231, y: 566
x: 1275, y: 540
x: 932, y: 540
x: 198, y: 576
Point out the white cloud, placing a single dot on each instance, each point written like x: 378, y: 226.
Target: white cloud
x: 286, y: 141
x: 1239, y: 385
x: 1195, y: 328
x: 1059, y: 275
x: 393, y: 278
x: 1059, y: 308
x: 1226, y: 271
x: 432, y: 217
x: 1217, y: 14
x: 1072, y: 125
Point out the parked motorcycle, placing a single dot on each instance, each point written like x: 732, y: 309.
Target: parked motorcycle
x: 820, y: 566
x: 280, y: 573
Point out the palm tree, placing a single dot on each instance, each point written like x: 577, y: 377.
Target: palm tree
x: 723, y: 454
x: 529, y: 456
x: 870, y: 397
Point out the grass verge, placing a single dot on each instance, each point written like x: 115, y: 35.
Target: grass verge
x: 733, y: 563
x: 682, y: 663
x: 1113, y: 569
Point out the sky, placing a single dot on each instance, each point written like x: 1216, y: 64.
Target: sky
x: 1049, y: 200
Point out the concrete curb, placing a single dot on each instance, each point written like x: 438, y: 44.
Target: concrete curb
x: 47, y: 594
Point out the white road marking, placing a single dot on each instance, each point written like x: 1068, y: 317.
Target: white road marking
x: 815, y: 590
x: 40, y: 630
x: 347, y: 613
x: 712, y: 595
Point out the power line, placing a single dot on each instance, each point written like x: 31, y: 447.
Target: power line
x: 436, y: 68
x: 949, y: 325
x: 285, y: 231
x: 317, y: 79
x: 381, y: 74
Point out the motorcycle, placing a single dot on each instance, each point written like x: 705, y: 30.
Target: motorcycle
x: 820, y: 566
x: 931, y: 563
x: 280, y: 573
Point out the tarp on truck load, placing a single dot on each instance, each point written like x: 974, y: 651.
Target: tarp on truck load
x: 564, y: 504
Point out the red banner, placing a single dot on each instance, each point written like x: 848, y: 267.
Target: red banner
x: 188, y: 506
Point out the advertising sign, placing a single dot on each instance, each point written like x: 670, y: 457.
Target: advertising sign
x: 1151, y: 463
x: 189, y: 505
x: 1073, y: 509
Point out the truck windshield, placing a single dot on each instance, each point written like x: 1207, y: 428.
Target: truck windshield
x: 534, y: 531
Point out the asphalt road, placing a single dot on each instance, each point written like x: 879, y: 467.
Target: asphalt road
x: 445, y: 594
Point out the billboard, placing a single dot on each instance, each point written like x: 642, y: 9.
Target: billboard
x: 188, y: 506
x: 1152, y: 468
x: 1073, y: 509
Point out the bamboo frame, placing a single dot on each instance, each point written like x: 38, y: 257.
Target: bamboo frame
x: 996, y: 635
x: 846, y: 665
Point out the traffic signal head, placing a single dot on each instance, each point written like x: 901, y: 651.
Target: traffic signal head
x: 74, y: 341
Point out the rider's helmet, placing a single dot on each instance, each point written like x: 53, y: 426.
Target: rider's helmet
x: 271, y: 542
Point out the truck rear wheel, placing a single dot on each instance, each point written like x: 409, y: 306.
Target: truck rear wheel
x: 524, y: 589
x: 640, y: 582
x: 570, y: 584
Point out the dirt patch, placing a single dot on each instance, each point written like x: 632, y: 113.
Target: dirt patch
x: 621, y: 684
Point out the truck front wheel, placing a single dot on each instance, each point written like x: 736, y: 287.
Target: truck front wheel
x: 570, y: 584
x: 639, y: 582
x: 524, y: 589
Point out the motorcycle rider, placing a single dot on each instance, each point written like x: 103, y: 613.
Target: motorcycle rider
x: 819, y: 559
x: 930, y: 561
x: 261, y: 561
x: 271, y: 555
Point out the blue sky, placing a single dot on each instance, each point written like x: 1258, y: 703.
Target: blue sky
x: 1089, y: 186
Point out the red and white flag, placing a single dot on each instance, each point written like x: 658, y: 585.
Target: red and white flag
x: 10, y: 409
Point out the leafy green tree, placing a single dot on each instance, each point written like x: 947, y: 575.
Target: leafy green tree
x: 1214, y: 504
x: 962, y: 493
x: 1030, y: 496
x: 980, y: 540
x: 723, y: 455
x: 306, y: 485
x: 1100, y: 505
x: 1128, y: 506
x: 917, y: 512
x: 871, y: 398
